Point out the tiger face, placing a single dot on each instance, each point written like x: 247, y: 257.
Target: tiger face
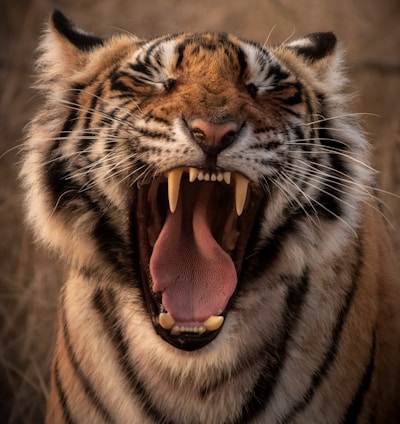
x: 180, y: 160
x: 227, y: 259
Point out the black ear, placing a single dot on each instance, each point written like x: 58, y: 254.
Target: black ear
x: 79, y: 38
x: 314, y: 46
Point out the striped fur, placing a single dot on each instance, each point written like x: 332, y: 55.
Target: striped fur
x: 312, y: 330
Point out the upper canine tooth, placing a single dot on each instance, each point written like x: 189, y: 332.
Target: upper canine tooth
x: 241, y: 185
x: 174, y: 182
x: 193, y: 173
x: 213, y: 323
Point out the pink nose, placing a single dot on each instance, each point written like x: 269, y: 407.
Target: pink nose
x: 211, y: 137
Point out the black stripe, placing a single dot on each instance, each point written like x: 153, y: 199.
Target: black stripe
x: 330, y: 355
x: 69, y: 123
x: 262, y: 253
x: 275, y: 356
x: 153, y: 134
x: 62, y: 189
x: 289, y: 111
x: 111, y: 244
x: 296, y: 98
x: 118, y: 85
x: 181, y: 50
x: 56, y: 171
x: 329, y: 206
x: 355, y: 407
x: 62, y: 396
x: 155, y: 44
x: 83, y: 379
x: 276, y: 70
x: 105, y: 303
x: 242, y: 61
x: 93, y: 103
x: 141, y: 68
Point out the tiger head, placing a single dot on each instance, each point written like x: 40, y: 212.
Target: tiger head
x: 178, y: 165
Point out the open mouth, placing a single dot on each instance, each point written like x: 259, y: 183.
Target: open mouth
x: 193, y: 229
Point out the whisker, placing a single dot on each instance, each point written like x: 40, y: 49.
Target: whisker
x: 20, y: 146
x: 344, y: 115
x: 365, y: 190
x: 330, y: 149
x: 328, y: 210
x: 295, y: 199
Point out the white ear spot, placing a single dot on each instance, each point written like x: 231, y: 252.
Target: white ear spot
x: 314, y: 46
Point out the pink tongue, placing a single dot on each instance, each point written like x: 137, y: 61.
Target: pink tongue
x: 194, y: 274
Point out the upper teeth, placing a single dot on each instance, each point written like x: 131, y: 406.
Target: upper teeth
x: 174, y: 181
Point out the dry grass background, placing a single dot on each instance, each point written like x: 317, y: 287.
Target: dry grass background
x: 29, y: 278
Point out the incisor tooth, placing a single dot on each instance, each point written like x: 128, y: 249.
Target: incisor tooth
x: 174, y: 182
x: 213, y: 323
x: 175, y: 330
x: 193, y: 172
x: 227, y: 177
x: 166, y: 320
x: 241, y: 184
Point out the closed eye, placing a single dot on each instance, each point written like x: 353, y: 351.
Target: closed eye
x: 252, y: 90
x: 169, y: 84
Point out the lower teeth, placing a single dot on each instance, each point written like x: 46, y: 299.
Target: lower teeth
x: 167, y: 322
x: 176, y: 330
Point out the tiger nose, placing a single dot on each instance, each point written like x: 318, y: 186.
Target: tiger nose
x: 213, y: 137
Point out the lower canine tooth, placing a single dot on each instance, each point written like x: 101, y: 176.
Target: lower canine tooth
x: 213, y: 323
x: 229, y: 240
x: 166, y: 320
x: 152, y: 236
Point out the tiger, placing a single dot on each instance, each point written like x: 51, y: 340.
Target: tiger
x: 228, y: 258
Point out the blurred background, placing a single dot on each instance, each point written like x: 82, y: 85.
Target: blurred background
x: 29, y: 278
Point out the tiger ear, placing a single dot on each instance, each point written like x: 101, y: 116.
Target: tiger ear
x: 70, y: 32
x: 63, y: 52
x: 315, y: 46
x: 321, y: 52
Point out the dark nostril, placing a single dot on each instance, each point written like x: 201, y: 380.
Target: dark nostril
x: 228, y: 138
x: 198, y: 135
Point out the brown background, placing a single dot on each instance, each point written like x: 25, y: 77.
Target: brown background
x: 29, y: 278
